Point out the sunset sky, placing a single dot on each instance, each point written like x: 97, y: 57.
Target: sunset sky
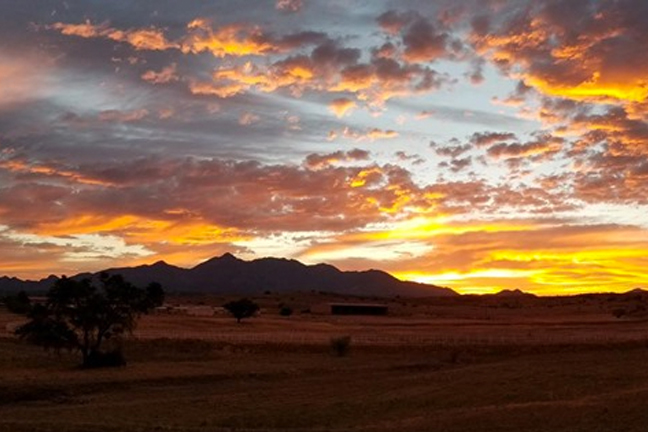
x: 475, y: 144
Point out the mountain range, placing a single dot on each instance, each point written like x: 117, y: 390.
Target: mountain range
x: 228, y: 274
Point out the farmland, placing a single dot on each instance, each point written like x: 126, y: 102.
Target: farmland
x: 437, y: 365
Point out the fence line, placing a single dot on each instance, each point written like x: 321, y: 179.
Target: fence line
x: 397, y: 340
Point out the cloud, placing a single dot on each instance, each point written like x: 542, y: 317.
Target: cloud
x: 581, y: 51
x: 452, y: 151
x: 123, y: 116
x: 247, y: 118
x: 544, y: 257
x: 289, y: 5
x: 318, y: 161
x: 140, y: 39
x: 24, y: 78
x: 341, y: 106
x: 181, y: 125
x: 370, y: 134
x: 166, y: 75
x: 544, y: 146
x: 229, y: 40
x: 484, y: 139
x: 422, y: 39
x: 329, y: 68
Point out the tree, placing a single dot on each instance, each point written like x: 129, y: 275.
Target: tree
x: 285, y: 311
x: 18, y: 303
x: 243, y: 308
x: 81, y: 316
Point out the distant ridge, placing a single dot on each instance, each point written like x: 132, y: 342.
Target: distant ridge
x: 513, y: 293
x: 228, y: 274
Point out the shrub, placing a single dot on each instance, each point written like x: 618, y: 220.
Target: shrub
x: 619, y: 312
x: 18, y: 303
x: 98, y: 359
x: 240, y: 309
x: 285, y: 311
x: 341, y: 345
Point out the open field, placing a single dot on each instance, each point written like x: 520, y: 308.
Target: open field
x: 517, y: 369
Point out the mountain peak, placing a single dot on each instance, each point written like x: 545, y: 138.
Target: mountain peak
x: 514, y: 293
x: 228, y: 257
x: 224, y: 260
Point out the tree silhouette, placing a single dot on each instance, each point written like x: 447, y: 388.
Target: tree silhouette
x: 243, y: 308
x: 18, y: 303
x: 80, y: 315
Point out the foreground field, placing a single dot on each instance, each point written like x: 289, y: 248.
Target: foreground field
x: 195, y: 385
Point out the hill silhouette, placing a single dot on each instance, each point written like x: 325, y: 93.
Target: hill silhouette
x: 228, y: 274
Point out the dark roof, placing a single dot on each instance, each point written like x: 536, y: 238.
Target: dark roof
x: 358, y: 304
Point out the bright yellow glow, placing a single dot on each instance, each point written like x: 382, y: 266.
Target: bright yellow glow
x: 146, y: 231
x: 595, y: 89
x: 425, y: 228
x: 361, y: 178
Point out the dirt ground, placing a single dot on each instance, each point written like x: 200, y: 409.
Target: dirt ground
x: 516, y: 369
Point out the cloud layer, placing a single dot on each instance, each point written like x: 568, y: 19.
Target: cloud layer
x: 480, y: 145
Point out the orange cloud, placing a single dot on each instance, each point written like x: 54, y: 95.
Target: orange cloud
x: 231, y: 40
x: 329, y: 68
x: 53, y: 172
x: 23, y: 77
x: 476, y: 257
x: 538, y: 46
x: 319, y: 161
x: 341, y: 106
x: 140, y: 39
x: 166, y: 75
x: 140, y: 230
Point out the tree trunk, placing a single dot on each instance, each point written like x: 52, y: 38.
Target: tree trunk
x: 85, y: 355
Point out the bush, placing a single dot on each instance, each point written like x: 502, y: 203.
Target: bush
x: 285, y: 311
x: 18, y: 303
x: 240, y: 309
x: 98, y: 359
x: 619, y: 312
x: 341, y: 345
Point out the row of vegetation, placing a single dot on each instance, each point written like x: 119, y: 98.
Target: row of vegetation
x: 91, y: 316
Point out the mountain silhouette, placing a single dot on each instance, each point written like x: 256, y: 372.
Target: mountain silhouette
x: 228, y: 274
x: 513, y: 293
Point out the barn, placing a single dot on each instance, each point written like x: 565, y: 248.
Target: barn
x: 358, y: 309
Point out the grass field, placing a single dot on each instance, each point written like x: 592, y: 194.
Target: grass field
x: 199, y: 383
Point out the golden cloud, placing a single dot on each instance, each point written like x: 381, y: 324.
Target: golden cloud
x: 341, y: 106
x: 140, y: 39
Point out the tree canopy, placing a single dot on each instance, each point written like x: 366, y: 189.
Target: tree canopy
x: 243, y: 308
x: 82, y: 314
x: 18, y: 303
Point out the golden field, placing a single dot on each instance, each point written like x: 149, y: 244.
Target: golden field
x: 431, y: 365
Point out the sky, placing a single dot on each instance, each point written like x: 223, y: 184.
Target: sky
x: 476, y: 144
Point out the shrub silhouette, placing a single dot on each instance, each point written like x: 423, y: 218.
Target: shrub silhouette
x: 18, y: 303
x: 285, y: 311
x: 81, y: 316
x: 619, y: 312
x: 341, y: 345
x: 240, y: 309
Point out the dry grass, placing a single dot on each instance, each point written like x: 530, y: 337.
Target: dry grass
x: 270, y: 382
